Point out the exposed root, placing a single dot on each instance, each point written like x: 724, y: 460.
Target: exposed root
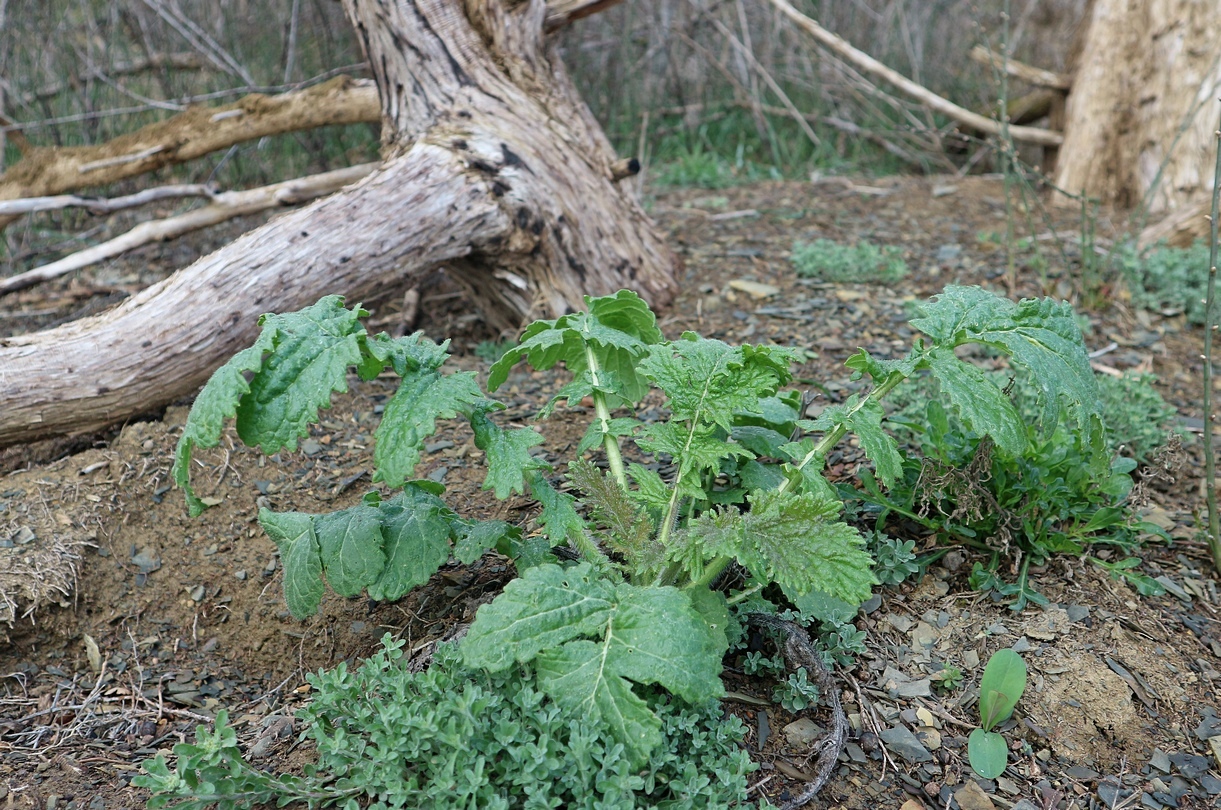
x: 799, y: 652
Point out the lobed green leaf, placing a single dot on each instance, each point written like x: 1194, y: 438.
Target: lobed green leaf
x: 411, y: 416
x: 794, y: 540
x: 507, y: 452
x: 313, y: 350
x: 415, y: 527
x: 216, y: 403
x: 301, y: 557
x: 982, y: 405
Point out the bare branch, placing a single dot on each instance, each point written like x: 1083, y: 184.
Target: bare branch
x: 101, y: 205
x: 1020, y: 70
x: 562, y: 12
x: 224, y: 207
x: 192, y: 134
x: 922, y: 94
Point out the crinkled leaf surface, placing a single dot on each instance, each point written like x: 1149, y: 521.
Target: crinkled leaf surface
x: 590, y: 639
x: 314, y: 348
x: 351, y: 544
x: 866, y: 422
x: 1040, y: 334
x: 293, y: 533
x: 616, y: 329
x: 411, y: 416
x: 216, y: 403
x: 478, y: 537
x: 709, y: 381
x: 982, y: 405
x: 415, y: 531
x: 559, y: 517
x: 794, y: 540
x: 880, y: 369
x: 543, y: 608
x: 507, y: 452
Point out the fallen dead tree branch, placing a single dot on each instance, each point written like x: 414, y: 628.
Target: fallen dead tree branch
x: 189, y: 135
x: 102, y: 205
x: 224, y: 207
x: 922, y: 94
x: 1037, y: 77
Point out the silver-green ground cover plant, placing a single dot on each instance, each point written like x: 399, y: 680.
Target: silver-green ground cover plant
x: 632, y: 617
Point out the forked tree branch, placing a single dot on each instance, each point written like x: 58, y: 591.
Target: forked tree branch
x: 920, y: 93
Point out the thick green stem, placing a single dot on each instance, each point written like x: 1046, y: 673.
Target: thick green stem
x: 746, y: 594
x: 711, y: 571
x: 611, y: 443
x: 832, y: 436
x: 1210, y: 324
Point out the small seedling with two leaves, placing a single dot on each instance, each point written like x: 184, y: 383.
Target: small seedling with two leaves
x: 999, y: 691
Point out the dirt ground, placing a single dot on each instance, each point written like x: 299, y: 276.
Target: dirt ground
x: 168, y: 620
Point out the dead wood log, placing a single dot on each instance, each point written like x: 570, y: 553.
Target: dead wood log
x: 46, y: 171
x: 224, y: 206
x: 1037, y: 77
x: 495, y: 169
x: 867, y: 63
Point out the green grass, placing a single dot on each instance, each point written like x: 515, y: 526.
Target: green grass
x: 826, y: 260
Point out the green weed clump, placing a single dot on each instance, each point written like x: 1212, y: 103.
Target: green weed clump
x: 1039, y: 503
x: 826, y: 260
x: 605, y: 641
x: 458, y: 737
x: 1167, y: 278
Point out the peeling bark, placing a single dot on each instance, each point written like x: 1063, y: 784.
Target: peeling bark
x: 494, y: 168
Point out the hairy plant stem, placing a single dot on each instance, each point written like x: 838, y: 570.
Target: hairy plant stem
x: 832, y: 436
x: 824, y: 445
x: 610, y: 443
x: 1210, y: 461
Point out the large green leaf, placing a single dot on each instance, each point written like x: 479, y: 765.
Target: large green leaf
x: 301, y: 557
x: 866, y: 422
x: 590, y: 640
x: 709, y: 381
x: 794, y: 540
x: 982, y: 405
x: 616, y: 330
x: 411, y: 417
x: 351, y: 544
x: 1040, y: 334
x: 216, y: 403
x: 507, y: 452
x: 415, y: 530
x: 314, y: 349
x: 543, y: 608
x: 988, y: 753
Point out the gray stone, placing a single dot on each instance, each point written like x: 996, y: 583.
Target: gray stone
x: 1189, y: 765
x: 1022, y: 645
x: 1210, y: 725
x: 1025, y: 804
x: 1173, y: 587
x: 972, y: 797
x: 912, y: 689
x: 802, y: 733
x: 1077, y: 613
x: 906, y: 745
x: 1081, y: 772
x: 1160, y: 761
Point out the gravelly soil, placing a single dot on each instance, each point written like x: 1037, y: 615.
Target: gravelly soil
x: 173, y: 619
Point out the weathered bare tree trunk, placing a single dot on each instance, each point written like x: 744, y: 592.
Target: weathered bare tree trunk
x: 1143, y: 105
x: 493, y: 167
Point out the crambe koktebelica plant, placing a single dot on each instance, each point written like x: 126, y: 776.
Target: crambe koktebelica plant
x: 743, y: 484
